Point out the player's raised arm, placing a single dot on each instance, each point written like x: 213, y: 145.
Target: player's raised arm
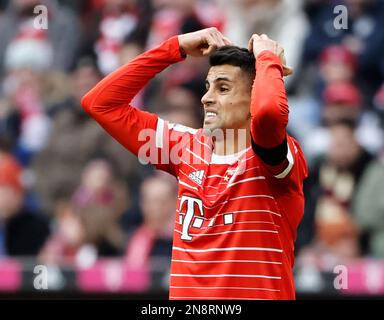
x: 109, y: 101
x: 269, y: 106
x: 202, y: 42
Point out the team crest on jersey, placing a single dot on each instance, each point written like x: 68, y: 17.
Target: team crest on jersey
x: 197, y: 176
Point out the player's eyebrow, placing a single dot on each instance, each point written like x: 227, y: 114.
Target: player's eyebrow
x: 218, y: 79
x: 222, y: 79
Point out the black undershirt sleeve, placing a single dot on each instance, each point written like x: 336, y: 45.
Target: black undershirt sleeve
x: 272, y: 156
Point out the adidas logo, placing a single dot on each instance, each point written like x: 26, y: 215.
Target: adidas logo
x: 197, y: 176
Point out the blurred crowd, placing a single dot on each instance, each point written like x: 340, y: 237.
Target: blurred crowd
x: 69, y: 193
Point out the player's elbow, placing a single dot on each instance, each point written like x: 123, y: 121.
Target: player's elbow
x: 86, y: 103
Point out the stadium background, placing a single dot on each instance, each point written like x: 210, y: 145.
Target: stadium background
x: 72, y: 200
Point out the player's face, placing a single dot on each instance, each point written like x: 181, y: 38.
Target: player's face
x: 227, y: 100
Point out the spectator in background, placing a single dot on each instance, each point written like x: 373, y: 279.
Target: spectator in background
x: 336, y: 65
x: 58, y: 43
x: 24, y: 99
x: 369, y: 207
x: 108, y: 24
x: 43, y: 124
x: 282, y: 20
x: 131, y: 47
x: 100, y: 201
x: 182, y: 16
x: 154, y: 237
x: 66, y: 238
x: 183, y: 107
x: 9, y: 123
x: 328, y: 224
x: 379, y: 104
x: 312, y: 7
x: 74, y: 140
x: 22, y: 233
x: 364, y: 37
x: 88, y: 226
x: 3, y: 5
x: 343, y: 101
x: 30, y: 83
x: 172, y: 18
x: 181, y: 87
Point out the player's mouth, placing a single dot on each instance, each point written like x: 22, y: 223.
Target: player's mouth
x: 210, y: 115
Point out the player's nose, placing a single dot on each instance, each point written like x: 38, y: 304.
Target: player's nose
x: 207, y: 99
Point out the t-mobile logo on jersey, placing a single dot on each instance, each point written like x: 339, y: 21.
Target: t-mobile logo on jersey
x: 186, y: 219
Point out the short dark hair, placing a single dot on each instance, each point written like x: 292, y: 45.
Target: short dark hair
x: 234, y: 56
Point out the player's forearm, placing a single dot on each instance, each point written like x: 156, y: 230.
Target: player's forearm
x: 108, y: 102
x: 269, y: 106
x: 121, y: 86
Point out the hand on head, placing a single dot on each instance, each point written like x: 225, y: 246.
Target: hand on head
x: 259, y: 43
x: 204, y: 42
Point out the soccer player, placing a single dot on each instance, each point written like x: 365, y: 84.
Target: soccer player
x: 240, y: 196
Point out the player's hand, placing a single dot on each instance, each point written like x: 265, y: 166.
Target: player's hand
x: 257, y: 44
x: 202, y: 42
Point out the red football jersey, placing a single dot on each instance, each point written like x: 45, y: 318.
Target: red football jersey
x: 236, y: 221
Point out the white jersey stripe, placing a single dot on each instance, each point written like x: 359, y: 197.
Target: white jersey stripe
x: 184, y: 173
x: 246, y: 180
x: 227, y: 261
x: 231, y: 199
x: 244, y: 197
x: 228, y: 249
x: 234, y: 288
x: 252, y: 196
x: 159, y: 133
x: 251, y: 168
x: 226, y: 232
x: 251, y: 157
x: 240, y: 222
x: 240, y: 211
x: 196, y: 156
x: 215, y: 176
x: 181, y: 128
x: 289, y: 167
x: 245, y: 222
x: 188, y: 165
x: 204, y: 144
x: 187, y: 185
x: 224, y: 275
